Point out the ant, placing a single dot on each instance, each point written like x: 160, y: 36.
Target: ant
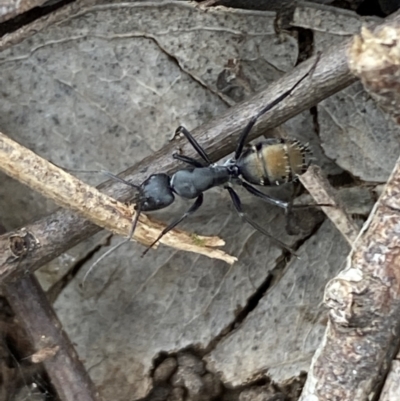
x: 269, y: 162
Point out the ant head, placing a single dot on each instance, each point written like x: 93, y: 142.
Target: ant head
x: 155, y: 193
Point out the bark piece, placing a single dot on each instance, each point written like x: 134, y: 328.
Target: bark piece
x: 390, y: 391
x: 165, y: 370
x: 375, y: 58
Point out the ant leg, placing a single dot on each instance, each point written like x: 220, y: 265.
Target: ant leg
x: 288, y: 213
x: 188, y: 160
x: 288, y: 206
x: 295, y: 193
x: 238, y: 206
x: 194, y: 143
x: 269, y: 199
x: 127, y: 239
x: 253, y: 120
x: 191, y: 210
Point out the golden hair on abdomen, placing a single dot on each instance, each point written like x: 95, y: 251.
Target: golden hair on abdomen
x: 283, y: 161
x: 273, y: 161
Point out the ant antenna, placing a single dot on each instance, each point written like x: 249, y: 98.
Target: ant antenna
x: 134, y: 222
x: 128, y: 239
x: 269, y: 106
x: 105, y: 172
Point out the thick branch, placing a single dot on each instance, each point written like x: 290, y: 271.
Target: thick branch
x: 364, y: 300
x: 62, y: 230
x: 364, y: 317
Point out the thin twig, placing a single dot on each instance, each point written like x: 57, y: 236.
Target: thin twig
x: 53, y: 348
x: 323, y: 193
x: 69, y: 192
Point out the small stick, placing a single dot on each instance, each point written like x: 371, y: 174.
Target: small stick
x: 323, y: 193
x: 69, y: 192
x: 52, y: 345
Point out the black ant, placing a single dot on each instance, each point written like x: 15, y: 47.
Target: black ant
x: 270, y: 162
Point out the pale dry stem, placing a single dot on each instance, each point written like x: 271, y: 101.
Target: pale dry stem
x: 322, y: 192
x: 71, y: 193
